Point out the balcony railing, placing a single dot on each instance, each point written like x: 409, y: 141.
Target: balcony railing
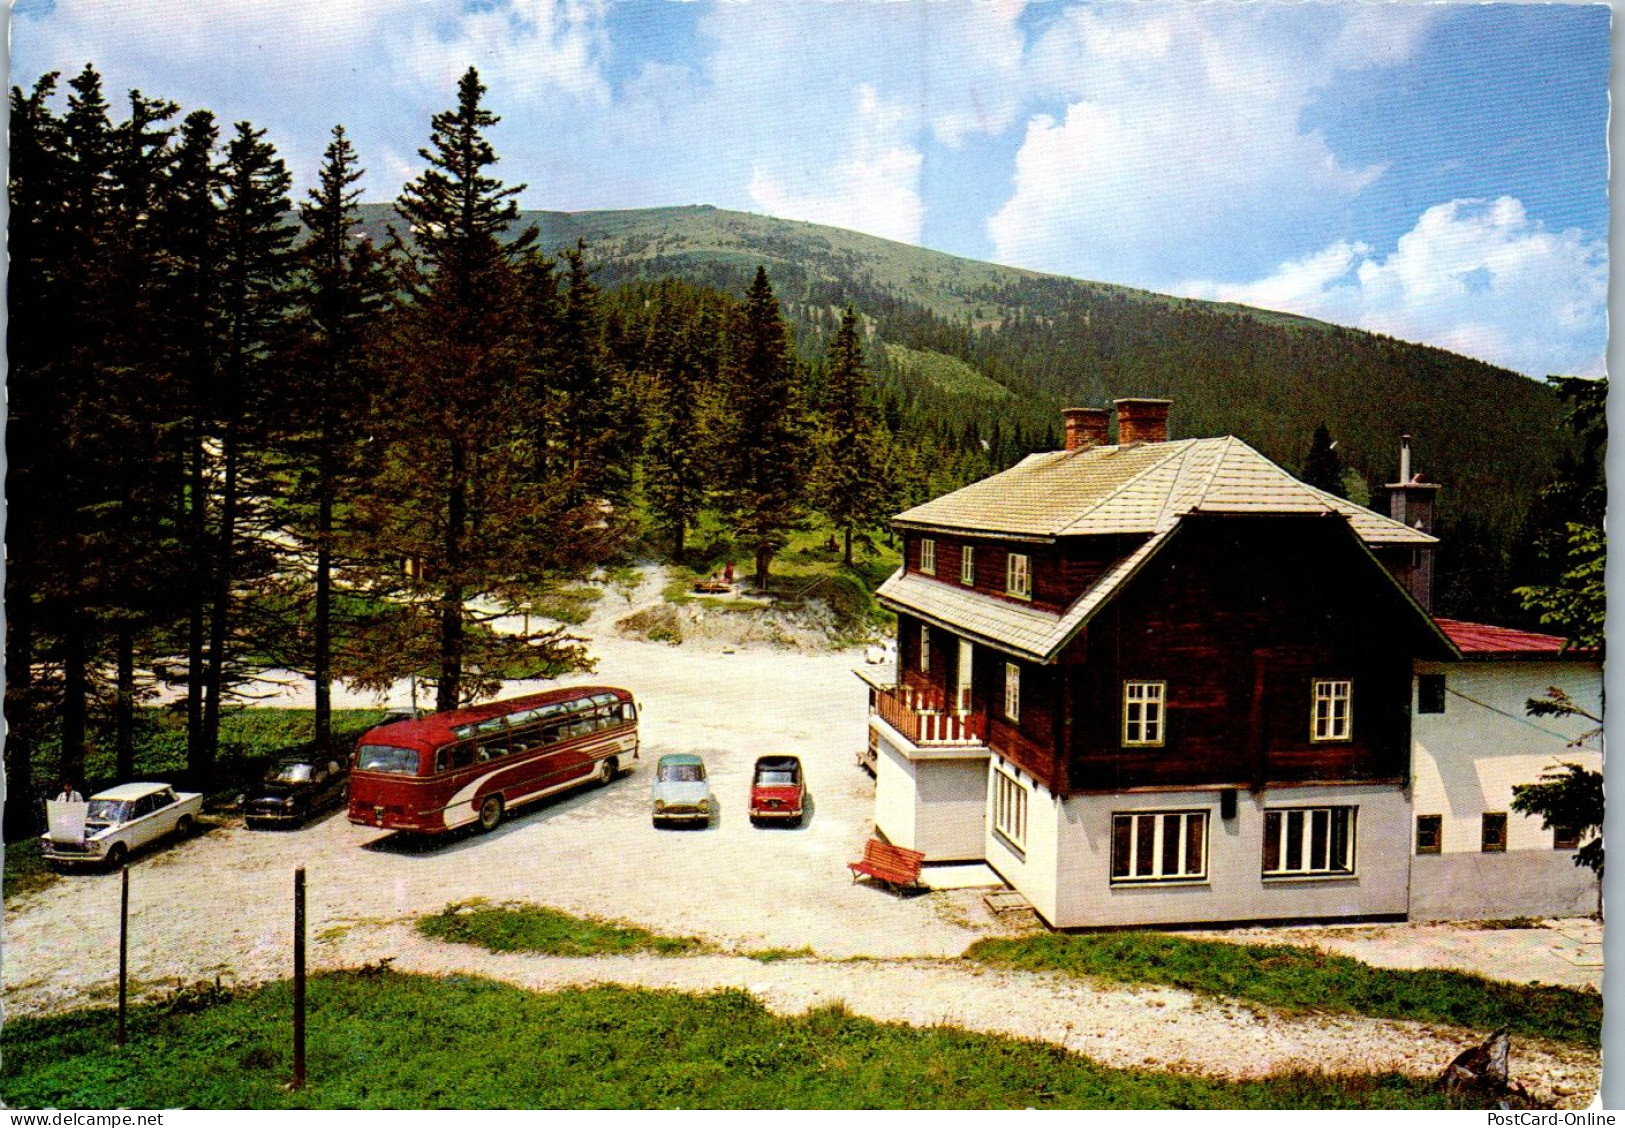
x: 923, y: 716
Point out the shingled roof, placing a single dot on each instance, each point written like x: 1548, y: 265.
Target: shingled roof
x: 1141, y: 488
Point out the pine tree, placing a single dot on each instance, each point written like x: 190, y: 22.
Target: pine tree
x: 340, y: 297
x: 767, y: 449
x: 849, y: 482
x: 679, y: 451
x: 1322, y: 466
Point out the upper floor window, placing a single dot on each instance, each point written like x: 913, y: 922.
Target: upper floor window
x: 928, y: 557
x: 1430, y: 693
x: 925, y: 649
x: 1009, y: 810
x: 1012, y: 691
x: 967, y: 565
x: 1159, y: 846
x: 1307, y: 841
x: 1018, y: 576
x: 1143, y: 712
x: 1332, y: 717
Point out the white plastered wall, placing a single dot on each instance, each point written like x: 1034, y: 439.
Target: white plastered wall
x: 1467, y: 760
x: 930, y: 800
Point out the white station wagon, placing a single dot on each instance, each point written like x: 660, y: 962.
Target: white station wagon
x: 124, y: 818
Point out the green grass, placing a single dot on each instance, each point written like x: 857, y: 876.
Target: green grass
x: 1305, y: 979
x: 536, y: 928
x: 571, y: 603
x: 26, y: 870
x: 381, y: 1039
x: 946, y: 373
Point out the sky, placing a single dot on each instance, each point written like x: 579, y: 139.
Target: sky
x: 1437, y: 173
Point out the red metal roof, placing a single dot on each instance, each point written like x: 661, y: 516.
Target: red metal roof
x: 1484, y: 639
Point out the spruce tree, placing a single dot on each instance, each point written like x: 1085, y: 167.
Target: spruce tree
x: 767, y: 448
x: 1322, y: 466
x: 849, y: 480
x: 679, y: 451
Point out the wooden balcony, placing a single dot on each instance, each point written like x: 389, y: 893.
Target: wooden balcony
x: 923, y: 716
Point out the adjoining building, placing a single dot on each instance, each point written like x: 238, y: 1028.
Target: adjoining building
x: 1163, y: 682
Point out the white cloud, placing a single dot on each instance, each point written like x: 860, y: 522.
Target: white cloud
x: 1181, y: 128
x: 1477, y: 277
x: 874, y: 187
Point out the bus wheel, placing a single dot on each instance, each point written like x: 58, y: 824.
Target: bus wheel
x: 608, y: 769
x: 490, y: 813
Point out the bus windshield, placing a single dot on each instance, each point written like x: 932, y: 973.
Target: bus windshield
x: 387, y: 758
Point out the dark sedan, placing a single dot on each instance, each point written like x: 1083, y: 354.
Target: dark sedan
x: 294, y: 789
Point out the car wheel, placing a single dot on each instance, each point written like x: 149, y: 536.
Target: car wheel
x: 183, y: 826
x: 490, y: 813
x: 116, y: 855
x: 608, y: 769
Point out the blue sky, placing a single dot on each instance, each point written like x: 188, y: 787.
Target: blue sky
x: 1438, y: 173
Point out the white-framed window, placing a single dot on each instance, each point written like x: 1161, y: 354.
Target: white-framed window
x: 967, y: 565
x: 1018, y: 575
x: 1308, y: 841
x: 1159, y: 846
x: 928, y: 557
x: 1012, y: 691
x: 1332, y: 718
x: 925, y: 648
x: 1009, y: 809
x: 1143, y: 718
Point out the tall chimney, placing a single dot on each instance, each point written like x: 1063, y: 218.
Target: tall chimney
x: 1410, y: 502
x: 1086, y: 427
x: 1142, y: 420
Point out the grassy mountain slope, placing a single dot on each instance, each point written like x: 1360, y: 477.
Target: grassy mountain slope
x: 1489, y: 434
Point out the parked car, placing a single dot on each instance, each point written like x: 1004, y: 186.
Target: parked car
x: 117, y: 822
x: 296, y: 788
x: 778, y: 790
x: 680, y: 791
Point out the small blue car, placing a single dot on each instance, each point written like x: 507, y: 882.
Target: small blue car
x: 680, y: 792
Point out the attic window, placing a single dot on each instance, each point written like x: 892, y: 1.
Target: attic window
x: 1018, y: 576
x: 1332, y: 719
x: 967, y: 565
x: 928, y: 557
x: 1142, y: 713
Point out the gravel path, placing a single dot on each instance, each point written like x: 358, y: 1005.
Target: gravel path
x: 220, y: 903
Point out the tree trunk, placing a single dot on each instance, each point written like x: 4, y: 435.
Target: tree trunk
x: 196, y: 766
x: 449, y: 687
x: 849, y: 546
x: 679, y: 537
x: 321, y: 663
x: 214, y: 690
x: 22, y: 809
x: 764, y: 562
x: 74, y: 688
x: 124, y: 706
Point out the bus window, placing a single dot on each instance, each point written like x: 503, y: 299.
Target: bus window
x: 629, y: 711
x: 387, y: 758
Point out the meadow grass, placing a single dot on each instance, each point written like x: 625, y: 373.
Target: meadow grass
x: 381, y: 1039
x: 536, y: 928
x: 1307, y: 979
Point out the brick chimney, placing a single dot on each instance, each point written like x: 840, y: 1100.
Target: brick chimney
x: 1086, y: 427
x: 1410, y: 502
x: 1142, y: 420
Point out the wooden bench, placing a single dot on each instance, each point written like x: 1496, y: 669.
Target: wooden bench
x: 893, y: 865
x: 713, y: 587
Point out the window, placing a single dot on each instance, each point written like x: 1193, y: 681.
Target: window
x: 1306, y: 841
x: 967, y: 565
x: 925, y: 649
x: 1429, y: 834
x: 1565, y: 838
x: 1331, y: 717
x: 1018, y: 576
x: 928, y: 557
x: 1009, y: 810
x: 1142, y: 713
x: 1159, y: 846
x: 1012, y: 691
x: 1430, y: 693
x: 1493, y: 839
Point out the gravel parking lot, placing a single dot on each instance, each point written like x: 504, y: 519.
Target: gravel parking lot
x: 220, y: 904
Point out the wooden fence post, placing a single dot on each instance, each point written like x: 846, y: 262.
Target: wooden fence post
x: 299, y: 978
x: 123, y: 945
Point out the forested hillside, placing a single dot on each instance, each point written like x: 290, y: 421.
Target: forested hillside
x: 1490, y: 435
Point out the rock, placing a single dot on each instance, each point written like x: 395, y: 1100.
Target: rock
x: 1484, y: 1068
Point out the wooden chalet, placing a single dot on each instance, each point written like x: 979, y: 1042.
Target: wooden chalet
x: 1158, y: 682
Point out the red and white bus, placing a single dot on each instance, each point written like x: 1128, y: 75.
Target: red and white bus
x: 466, y: 766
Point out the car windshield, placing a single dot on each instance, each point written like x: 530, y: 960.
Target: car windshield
x: 290, y: 773
x: 108, y: 810
x: 776, y: 777
x: 682, y: 773
x: 386, y: 758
